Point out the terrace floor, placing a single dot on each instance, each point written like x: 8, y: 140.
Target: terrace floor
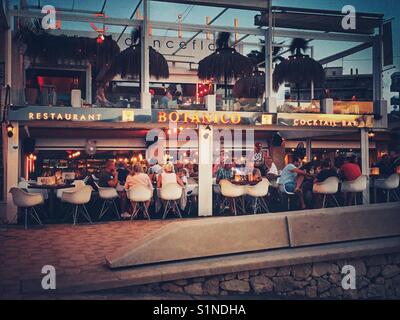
x: 73, y: 250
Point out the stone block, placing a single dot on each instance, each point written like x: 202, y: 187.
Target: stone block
x: 170, y: 243
x: 301, y: 272
x: 238, y: 286
x: 261, y: 284
x: 348, y: 223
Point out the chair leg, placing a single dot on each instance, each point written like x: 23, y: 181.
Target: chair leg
x: 134, y: 211
x: 177, y: 209
x: 264, y: 205
x: 334, y: 198
x: 75, y: 214
x: 36, y: 216
x: 387, y: 195
x: 26, y: 218
x: 103, y: 210
x: 323, y: 201
x: 234, y: 206
x: 166, y: 209
x: 255, y: 206
x: 146, y: 212
x: 86, y: 214
x: 116, y: 209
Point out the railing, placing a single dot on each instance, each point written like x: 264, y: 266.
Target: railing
x: 178, y: 103
x: 292, y: 106
x: 239, y: 105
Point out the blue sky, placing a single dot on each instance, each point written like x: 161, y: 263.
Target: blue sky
x: 163, y: 11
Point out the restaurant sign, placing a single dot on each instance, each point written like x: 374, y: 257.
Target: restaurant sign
x: 195, y: 117
x: 325, y: 120
x: 71, y: 114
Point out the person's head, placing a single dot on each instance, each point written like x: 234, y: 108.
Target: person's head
x: 385, y: 158
x: 353, y: 159
x: 258, y: 146
x: 168, y: 168
x: 326, y: 164
x: 269, y: 161
x: 296, y: 161
x: 110, y: 165
x: 168, y: 94
x: 137, y: 168
x: 256, y: 174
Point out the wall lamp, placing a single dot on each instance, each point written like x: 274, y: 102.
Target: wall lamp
x: 10, y: 130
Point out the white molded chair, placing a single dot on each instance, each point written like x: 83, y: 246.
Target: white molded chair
x: 232, y: 192
x: 329, y: 187
x: 77, y: 184
x: 259, y: 192
x: 171, y: 194
x: 78, y: 199
x: 108, y: 195
x: 390, y: 184
x: 27, y: 201
x: 140, y: 194
x: 24, y: 185
x: 357, y: 186
x: 285, y: 192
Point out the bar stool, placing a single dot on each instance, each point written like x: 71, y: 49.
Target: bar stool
x: 258, y: 192
x: 78, y: 199
x: 328, y: 187
x: 171, y: 194
x: 232, y: 192
x: 286, y: 193
x: 108, y: 195
x: 357, y: 186
x: 390, y: 184
x: 140, y: 194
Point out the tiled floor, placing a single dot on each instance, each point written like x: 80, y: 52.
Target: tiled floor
x: 70, y: 249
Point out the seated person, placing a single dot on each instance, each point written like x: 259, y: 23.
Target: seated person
x: 168, y: 176
x: 224, y: 172
x: 326, y: 171
x: 257, y: 175
x: 385, y: 166
x: 137, y: 177
x: 292, y: 178
x: 165, y: 100
x: 272, y: 170
x: 109, y: 179
x: 350, y: 170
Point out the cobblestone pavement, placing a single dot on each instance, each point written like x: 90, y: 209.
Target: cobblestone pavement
x: 70, y: 249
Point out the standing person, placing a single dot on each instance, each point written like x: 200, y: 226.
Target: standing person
x: 138, y: 177
x: 260, y: 158
x: 292, y: 178
x: 109, y: 179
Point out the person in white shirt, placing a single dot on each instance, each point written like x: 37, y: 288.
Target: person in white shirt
x: 272, y: 170
x: 168, y: 176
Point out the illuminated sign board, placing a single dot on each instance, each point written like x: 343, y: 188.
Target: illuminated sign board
x: 199, y: 117
x: 325, y: 120
x: 72, y: 114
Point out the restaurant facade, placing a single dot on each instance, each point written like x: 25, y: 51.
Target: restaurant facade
x: 57, y: 122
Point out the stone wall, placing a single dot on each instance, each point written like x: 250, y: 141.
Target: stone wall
x: 376, y: 277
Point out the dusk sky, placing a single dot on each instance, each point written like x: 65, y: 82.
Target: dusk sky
x: 197, y: 14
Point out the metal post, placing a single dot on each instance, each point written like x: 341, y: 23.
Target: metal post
x: 145, y: 74
x: 205, y: 171
x: 308, y: 150
x: 269, y: 100
x: 365, y: 161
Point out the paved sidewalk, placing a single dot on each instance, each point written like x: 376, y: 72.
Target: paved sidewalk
x: 72, y: 250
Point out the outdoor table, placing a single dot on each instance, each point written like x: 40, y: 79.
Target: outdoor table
x: 52, y: 189
x: 244, y: 183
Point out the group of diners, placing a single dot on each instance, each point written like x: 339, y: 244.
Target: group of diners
x: 123, y: 178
